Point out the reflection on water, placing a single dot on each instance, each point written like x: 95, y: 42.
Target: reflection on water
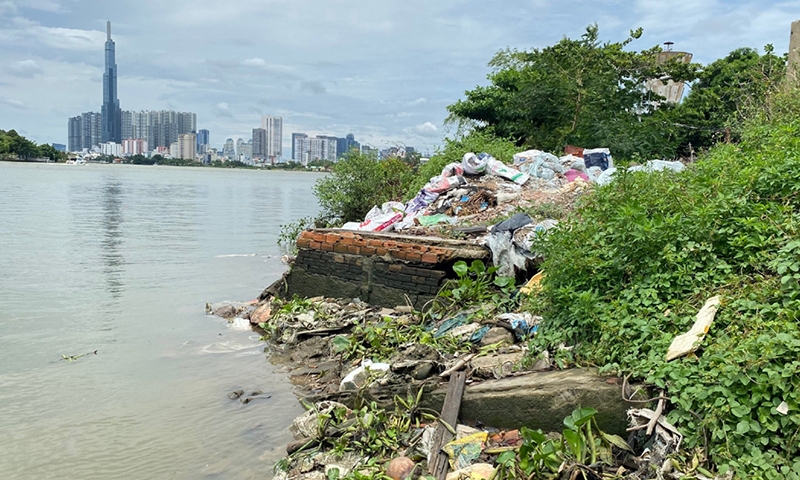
x: 112, y: 236
x: 122, y: 260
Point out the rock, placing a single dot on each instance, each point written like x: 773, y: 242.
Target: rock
x: 497, y: 366
x: 539, y: 400
x: 473, y: 472
x: 422, y: 371
x: 306, y: 424
x: 225, y: 311
x: 261, y: 314
x: 235, y: 394
x: 400, y: 468
x: 497, y: 335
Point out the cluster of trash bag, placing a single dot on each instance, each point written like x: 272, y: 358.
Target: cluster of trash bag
x: 451, y: 195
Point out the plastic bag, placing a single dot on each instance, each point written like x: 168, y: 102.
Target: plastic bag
x: 504, y: 254
x: 519, y: 220
x: 452, y: 170
x: 657, y: 166
x: 443, y: 184
x: 598, y: 157
x: 380, y: 219
x: 423, y: 199
x: 538, y: 164
x: 496, y: 167
x: 475, y: 164
x: 573, y: 175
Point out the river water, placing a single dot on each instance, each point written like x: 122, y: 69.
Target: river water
x: 122, y: 259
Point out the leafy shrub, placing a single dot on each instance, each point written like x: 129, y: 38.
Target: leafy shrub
x: 454, y: 151
x: 358, y: 182
x: 629, y: 270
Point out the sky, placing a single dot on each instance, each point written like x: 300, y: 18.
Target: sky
x: 384, y: 70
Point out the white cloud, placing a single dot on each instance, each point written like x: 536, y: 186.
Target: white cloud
x: 419, y: 101
x: 254, y: 62
x: 14, y: 103
x: 427, y: 129
x: 25, y: 68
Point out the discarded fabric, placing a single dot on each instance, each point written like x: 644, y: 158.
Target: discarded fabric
x: 688, y: 342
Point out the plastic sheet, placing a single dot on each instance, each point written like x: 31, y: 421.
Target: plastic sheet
x: 504, y: 254
x: 475, y: 164
x: 500, y: 169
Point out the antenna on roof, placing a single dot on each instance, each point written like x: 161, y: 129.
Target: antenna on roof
x: 108, y: 30
x: 669, y: 45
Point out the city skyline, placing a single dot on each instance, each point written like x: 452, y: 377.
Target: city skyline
x: 385, y: 72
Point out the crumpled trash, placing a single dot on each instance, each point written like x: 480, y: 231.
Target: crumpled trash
x: 511, y: 224
x: 475, y: 164
x: 573, y: 162
x: 667, y: 439
x: 524, y: 324
x: 606, y: 177
x: 358, y: 377
x: 450, y: 324
x: 598, y: 157
x: 423, y: 199
x: 525, y: 236
x: 465, y: 450
x: 380, y: 219
x: 428, y: 220
x: 452, y: 170
x: 476, y: 471
x: 689, y: 341
x: 538, y: 164
x: 658, y: 166
x: 442, y: 184
x: 500, y: 169
x: 573, y: 175
x: 505, y: 255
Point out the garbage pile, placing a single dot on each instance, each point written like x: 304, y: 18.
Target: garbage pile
x: 481, y: 188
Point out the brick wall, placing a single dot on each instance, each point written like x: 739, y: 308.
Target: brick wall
x: 382, y: 269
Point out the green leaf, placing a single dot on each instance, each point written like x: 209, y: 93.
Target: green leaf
x: 617, y: 441
x: 460, y: 267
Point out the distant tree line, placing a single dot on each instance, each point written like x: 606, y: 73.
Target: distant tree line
x: 15, y: 146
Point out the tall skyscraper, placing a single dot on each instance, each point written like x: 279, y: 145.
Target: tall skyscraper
x: 274, y: 128
x: 187, y: 143
x: 300, y: 147
x: 111, y: 113
x: 202, y: 140
x: 228, y: 151
x: 259, y: 143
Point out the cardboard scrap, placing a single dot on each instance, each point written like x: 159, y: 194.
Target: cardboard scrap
x: 688, y: 342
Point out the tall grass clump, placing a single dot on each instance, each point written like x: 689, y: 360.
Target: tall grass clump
x: 631, y: 267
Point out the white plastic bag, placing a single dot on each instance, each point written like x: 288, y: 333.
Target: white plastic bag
x: 496, y: 167
x: 475, y: 164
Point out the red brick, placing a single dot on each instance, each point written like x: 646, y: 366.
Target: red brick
x: 354, y: 249
x: 317, y: 237
x: 390, y: 245
x: 367, y: 251
x: 326, y: 247
x: 430, y: 258
x: 303, y: 242
x: 331, y: 238
x: 375, y: 243
x: 381, y: 251
x: 413, y: 257
x: 339, y: 248
x: 346, y: 241
x: 315, y: 245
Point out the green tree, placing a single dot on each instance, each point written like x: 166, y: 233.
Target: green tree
x: 580, y: 91
x: 358, y: 182
x: 726, y: 92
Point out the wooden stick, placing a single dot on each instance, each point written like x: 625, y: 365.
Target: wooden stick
x: 442, y: 436
x: 458, y: 365
x: 659, y: 410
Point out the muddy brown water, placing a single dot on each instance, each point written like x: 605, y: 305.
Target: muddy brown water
x: 122, y: 259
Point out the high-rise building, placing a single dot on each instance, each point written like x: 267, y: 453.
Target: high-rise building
x: 228, y: 151
x: 202, y: 141
x: 91, y: 129
x: 187, y: 145
x: 112, y: 115
x: 134, y: 146
x: 75, y: 138
x: 274, y: 128
x: 301, y: 148
x: 344, y: 145
x: 259, y: 143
